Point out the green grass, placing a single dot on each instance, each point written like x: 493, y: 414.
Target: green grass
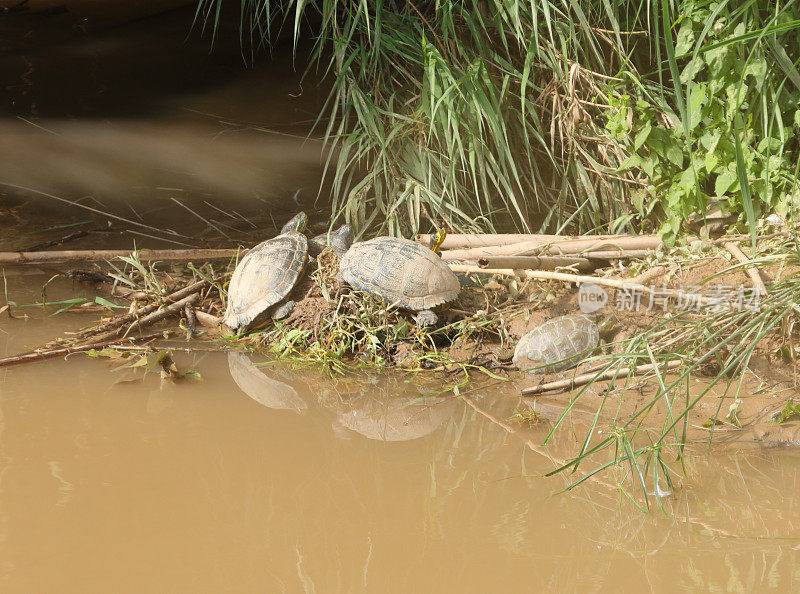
x: 717, y: 347
x: 472, y: 114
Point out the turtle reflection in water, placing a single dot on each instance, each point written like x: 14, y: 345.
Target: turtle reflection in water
x: 396, y: 418
x: 262, y: 388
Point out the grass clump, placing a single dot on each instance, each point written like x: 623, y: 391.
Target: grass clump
x: 788, y: 413
x: 617, y: 115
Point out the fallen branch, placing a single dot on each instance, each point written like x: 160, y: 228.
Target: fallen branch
x: 748, y: 266
x: 41, y: 355
x: 144, y: 311
x: 100, y: 255
x: 160, y: 314
x: 206, y: 319
x: 582, y: 380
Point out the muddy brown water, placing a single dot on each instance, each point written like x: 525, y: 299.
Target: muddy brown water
x: 269, y: 478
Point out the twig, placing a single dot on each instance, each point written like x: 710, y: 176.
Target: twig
x: 579, y: 278
x: 748, y: 266
x: 206, y: 319
x: 53, y: 353
x: 649, y: 275
x: 162, y: 313
x: 191, y: 317
x: 582, y: 380
x: 120, y: 321
x: 55, y: 242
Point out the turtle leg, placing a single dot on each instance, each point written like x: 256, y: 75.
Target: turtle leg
x: 283, y: 310
x: 426, y: 318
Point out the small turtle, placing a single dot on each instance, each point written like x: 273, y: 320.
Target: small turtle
x: 339, y: 240
x: 266, y: 275
x: 401, y: 272
x: 558, y: 344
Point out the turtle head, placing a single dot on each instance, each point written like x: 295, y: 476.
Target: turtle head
x: 437, y: 240
x: 342, y: 239
x: 296, y: 224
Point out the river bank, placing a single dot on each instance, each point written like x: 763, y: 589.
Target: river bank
x: 737, y: 387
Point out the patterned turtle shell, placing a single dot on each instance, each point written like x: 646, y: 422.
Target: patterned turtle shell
x: 399, y: 271
x: 560, y: 343
x: 264, y: 277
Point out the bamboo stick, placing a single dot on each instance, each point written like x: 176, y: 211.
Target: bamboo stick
x: 99, y: 255
x: 562, y: 247
x: 454, y: 241
x: 614, y: 254
x: 534, y: 262
x: 582, y: 380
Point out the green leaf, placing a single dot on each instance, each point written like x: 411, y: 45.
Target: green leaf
x: 711, y: 161
x: 107, y: 352
x: 107, y: 303
x: 674, y: 152
x: 631, y: 162
x: 725, y: 180
x: 697, y: 98
x: 641, y: 136
x: 741, y: 169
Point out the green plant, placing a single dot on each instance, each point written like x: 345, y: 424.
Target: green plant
x: 739, y: 122
x: 580, y: 114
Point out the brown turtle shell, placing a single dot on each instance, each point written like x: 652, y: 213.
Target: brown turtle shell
x: 264, y: 277
x: 559, y: 343
x: 399, y: 271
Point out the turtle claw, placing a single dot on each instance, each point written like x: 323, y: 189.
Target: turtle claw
x: 426, y: 318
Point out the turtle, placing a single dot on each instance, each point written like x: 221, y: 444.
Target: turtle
x: 557, y: 345
x: 401, y: 272
x: 339, y: 240
x: 264, y: 278
x: 262, y: 388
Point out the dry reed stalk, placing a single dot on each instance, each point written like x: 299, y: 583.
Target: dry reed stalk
x: 100, y: 255
x: 579, y: 279
x: 582, y: 380
x: 558, y: 248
